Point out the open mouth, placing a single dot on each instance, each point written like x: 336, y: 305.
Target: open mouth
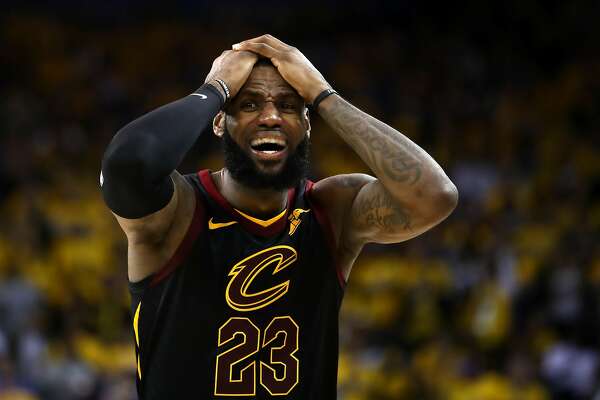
x: 268, y: 148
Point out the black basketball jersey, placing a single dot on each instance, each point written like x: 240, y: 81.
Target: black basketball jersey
x: 245, y: 308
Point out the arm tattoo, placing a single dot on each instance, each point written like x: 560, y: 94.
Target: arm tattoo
x: 382, y: 148
x: 380, y: 210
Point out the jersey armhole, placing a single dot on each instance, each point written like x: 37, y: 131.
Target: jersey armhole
x: 137, y: 289
x: 184, y: 248
x: 327, y: 229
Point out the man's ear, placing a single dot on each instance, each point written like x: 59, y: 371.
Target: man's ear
x: 219, y: 124
x: 306, y: 119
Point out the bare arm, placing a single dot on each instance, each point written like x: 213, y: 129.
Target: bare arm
x: 411, y: 192
x: 153, y: 239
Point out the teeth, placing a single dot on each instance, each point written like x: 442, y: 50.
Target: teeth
x: 259, y: 141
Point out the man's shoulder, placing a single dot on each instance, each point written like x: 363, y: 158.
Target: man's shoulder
x: 335, y: 195
x: 336, y: 189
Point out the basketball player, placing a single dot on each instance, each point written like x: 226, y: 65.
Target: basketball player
x: 237, y: 275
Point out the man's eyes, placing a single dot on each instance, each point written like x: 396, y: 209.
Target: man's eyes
x: 250, y: 105
x: 288, y: 106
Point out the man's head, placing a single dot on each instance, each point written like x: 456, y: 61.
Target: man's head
x: 265, y: 131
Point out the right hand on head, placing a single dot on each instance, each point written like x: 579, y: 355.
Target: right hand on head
x: 233, y: 67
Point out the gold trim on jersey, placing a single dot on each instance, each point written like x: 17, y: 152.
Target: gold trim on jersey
x: 136, y: 321
x: 263, y: 223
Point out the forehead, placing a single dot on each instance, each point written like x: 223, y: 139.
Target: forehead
x: 266, y: 80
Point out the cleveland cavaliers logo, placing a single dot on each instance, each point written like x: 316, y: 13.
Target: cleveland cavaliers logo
x: 239, y: 294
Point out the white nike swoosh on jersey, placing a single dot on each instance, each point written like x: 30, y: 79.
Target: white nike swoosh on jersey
x: 202, y: 96
x: 217, y: 225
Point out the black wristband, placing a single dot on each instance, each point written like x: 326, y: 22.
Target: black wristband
x: 225, y: 88
x: 322, y: 96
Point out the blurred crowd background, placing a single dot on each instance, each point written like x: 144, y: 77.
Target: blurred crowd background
x: 499, y: 302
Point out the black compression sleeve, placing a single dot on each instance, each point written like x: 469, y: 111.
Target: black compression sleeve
x: 138, y: 161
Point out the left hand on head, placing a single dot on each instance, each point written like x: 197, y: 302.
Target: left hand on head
x: 293, y: 66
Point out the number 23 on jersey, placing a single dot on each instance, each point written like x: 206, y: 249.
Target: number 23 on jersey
x: 280, y: 337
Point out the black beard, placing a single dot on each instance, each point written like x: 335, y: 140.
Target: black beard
x: 243, y: 169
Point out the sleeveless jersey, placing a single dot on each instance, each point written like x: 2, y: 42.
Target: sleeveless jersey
x: 245, y: 308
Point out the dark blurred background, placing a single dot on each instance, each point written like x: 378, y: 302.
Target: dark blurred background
x: 501, y: 301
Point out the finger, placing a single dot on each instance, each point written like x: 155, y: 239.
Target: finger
x: 276, y: 41
x: 269, y: 40
x: 259, y: 48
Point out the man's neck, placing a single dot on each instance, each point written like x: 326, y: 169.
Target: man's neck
x: 259, y: 203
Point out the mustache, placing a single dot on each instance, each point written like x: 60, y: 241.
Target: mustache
x: 244, y: 170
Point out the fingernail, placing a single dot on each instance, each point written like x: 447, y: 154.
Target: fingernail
x: 236, y: 46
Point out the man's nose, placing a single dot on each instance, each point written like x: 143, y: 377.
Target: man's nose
x: 269, y: 115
